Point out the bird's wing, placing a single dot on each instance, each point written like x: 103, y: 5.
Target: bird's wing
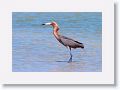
x: 66, y: 38
x: 70, y: 42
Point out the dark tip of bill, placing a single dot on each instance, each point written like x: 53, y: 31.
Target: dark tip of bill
x: 43, y: 24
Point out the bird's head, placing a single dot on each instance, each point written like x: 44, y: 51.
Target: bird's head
x: 51, y: 23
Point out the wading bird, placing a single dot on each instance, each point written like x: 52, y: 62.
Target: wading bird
x: 68, y: 42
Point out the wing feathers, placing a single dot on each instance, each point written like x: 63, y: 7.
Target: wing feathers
x: 70, y: 42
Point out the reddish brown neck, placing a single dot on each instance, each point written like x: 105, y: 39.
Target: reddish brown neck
x: 55, y: 31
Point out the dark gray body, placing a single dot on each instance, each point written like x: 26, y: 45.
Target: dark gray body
x: 68, y: 42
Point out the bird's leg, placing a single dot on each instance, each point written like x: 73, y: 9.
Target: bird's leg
x: 70, y: 60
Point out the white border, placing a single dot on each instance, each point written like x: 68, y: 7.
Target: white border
x: 104, y: 6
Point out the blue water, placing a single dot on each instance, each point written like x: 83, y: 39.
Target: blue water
x: 35, y: 49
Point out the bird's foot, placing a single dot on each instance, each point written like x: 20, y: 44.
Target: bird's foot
x: 70, y: 60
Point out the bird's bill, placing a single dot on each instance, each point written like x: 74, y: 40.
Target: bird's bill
x: 46, y: 24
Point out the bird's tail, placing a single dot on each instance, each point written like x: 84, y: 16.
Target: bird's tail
x: 80, y: 44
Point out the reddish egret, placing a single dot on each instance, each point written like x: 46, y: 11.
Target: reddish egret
x: 67, y: 42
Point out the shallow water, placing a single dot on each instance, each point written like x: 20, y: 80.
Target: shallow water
x: 36, y: 50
